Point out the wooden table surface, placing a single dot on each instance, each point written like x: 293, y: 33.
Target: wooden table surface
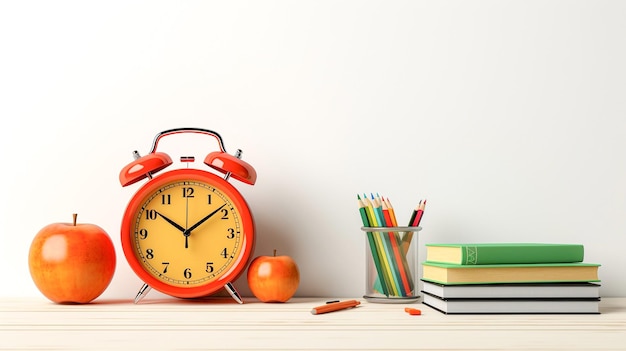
x: 221, y: 324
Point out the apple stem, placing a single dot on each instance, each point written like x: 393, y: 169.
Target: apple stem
x: 75, y: 215
x: 274, y: 252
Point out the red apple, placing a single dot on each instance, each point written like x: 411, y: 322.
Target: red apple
x: 72, y: 263
x: 273, y: 278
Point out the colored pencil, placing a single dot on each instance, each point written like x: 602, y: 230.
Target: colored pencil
x: 393, y: 264
x: 394, y: 223
x: 415, y: 220
x: 392, y: 212
x: 399, y: 257
x: 335, y: 306
x: 373, y: 247
x: 420, y: 213
x: 414, y: 213
x: 380, y: 245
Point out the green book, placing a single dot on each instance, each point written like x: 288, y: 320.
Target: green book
x: 444, y: 273
x: 498, y: 253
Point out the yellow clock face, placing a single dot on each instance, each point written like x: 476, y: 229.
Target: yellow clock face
x: 187, y: 231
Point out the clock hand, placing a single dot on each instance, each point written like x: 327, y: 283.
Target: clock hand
x: 186, y: 222
x: 171, y: 222
x: 188, y: 231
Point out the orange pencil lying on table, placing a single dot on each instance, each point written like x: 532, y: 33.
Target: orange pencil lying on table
x: 335, y: 306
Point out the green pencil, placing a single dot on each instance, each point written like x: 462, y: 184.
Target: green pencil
x: 393, y: 265
x: 375, y: 254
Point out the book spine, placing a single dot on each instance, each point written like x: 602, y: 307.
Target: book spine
x: 469, y: 254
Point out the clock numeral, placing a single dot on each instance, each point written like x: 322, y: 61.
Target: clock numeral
x: 188, y: 192
x: 231, y: 233
x: 166, y: 264
x: 209, y: 267
x: 151, y: 215
x: 166, y: 199
x: 224, y: 213
x: 187, y: 273
x: 209, y: 201
x: 149, y: 254
x: 143, y: 234
x: 225, y: 253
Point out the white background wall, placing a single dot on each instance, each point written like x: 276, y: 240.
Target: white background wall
x: 508, y: 116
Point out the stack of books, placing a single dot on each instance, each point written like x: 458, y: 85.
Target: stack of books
x: 509, y: 278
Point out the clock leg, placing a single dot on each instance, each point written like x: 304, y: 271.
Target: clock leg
x: 233, y: 292
x: 142, y: 292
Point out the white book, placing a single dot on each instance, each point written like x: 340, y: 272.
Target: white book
x: 516, y: 290
x: 513, y: 306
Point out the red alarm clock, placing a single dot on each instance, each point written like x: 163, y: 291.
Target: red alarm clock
x: 187, y: 232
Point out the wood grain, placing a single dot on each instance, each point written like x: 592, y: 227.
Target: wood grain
x: 222, y: 324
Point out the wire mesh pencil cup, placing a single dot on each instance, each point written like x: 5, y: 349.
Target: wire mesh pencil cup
x: 391, y: 264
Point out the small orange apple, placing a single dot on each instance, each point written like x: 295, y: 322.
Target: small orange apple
x: 273, y: 278
x: 72, y: 263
